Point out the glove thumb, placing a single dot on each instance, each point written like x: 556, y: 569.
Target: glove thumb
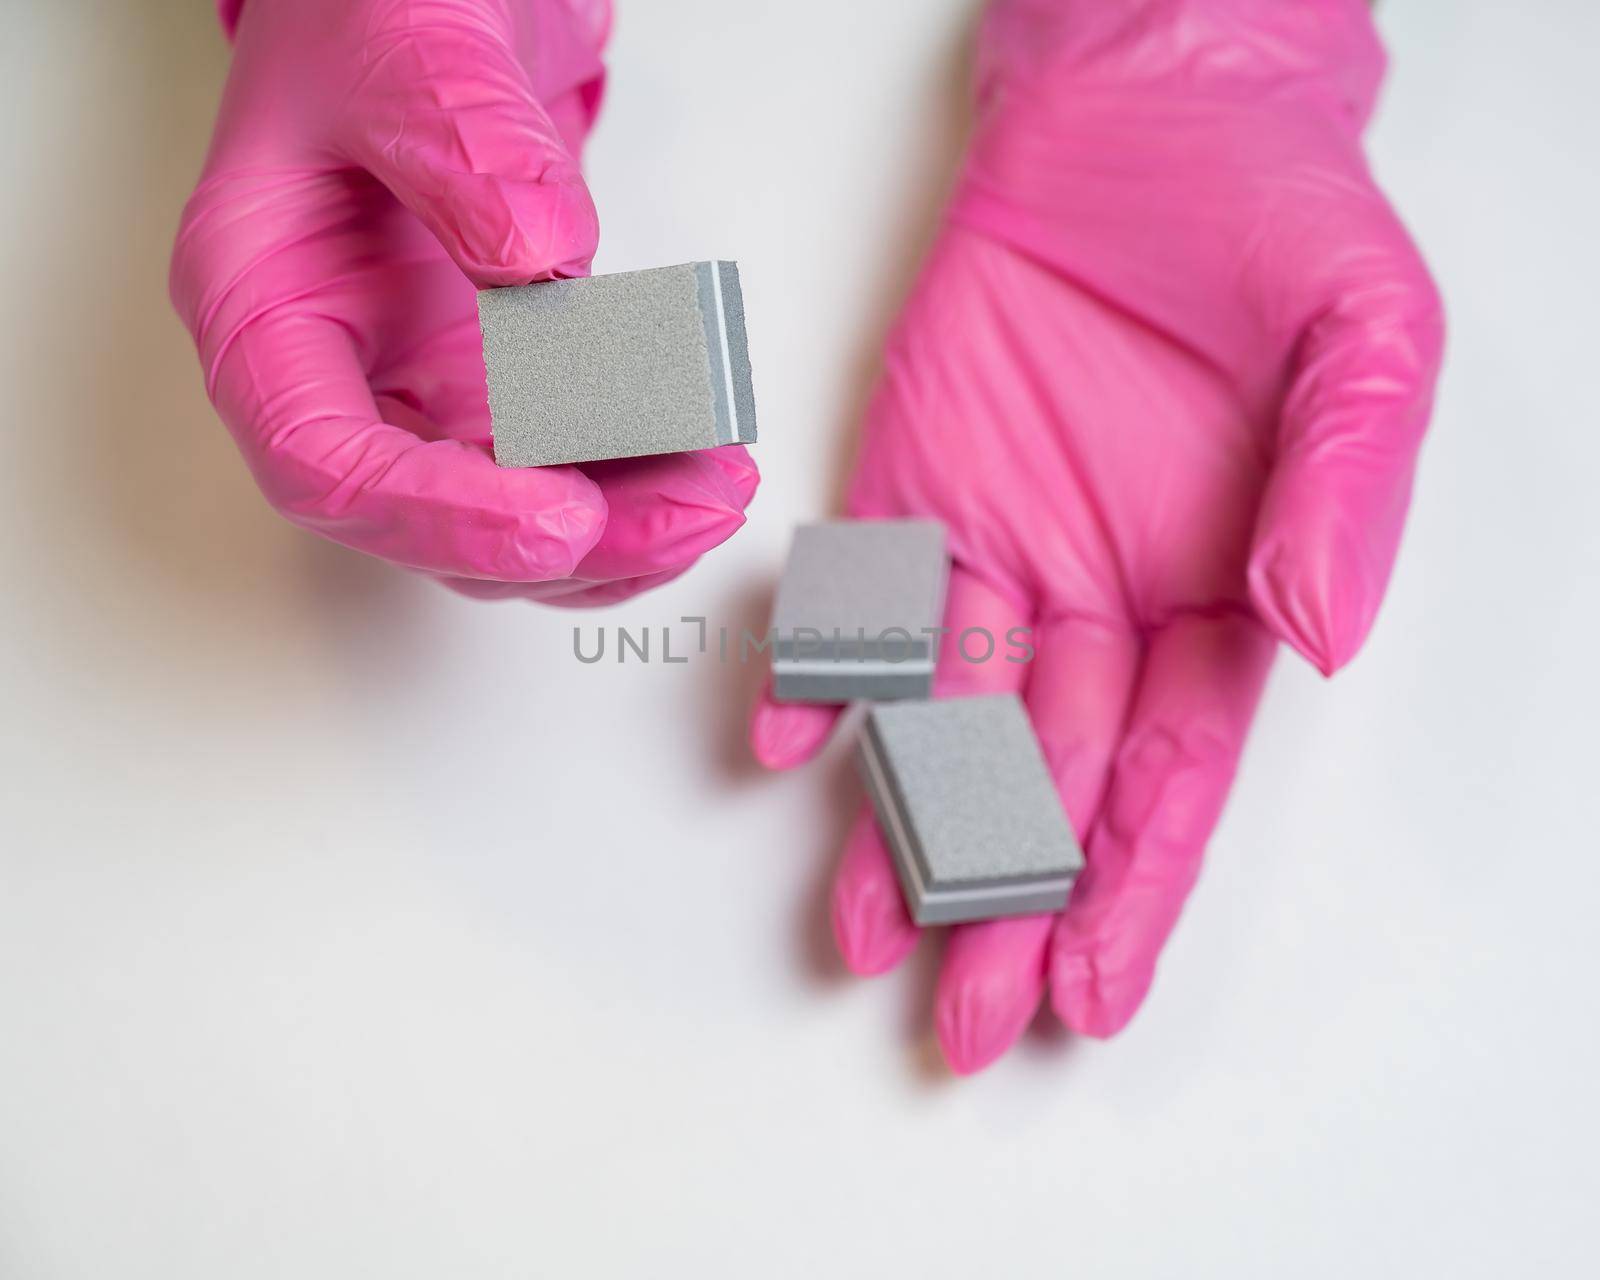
x: 1330, y: 522
x: 446, y: 117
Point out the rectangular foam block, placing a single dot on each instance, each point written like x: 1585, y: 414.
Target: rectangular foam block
x: 972, y: 819
x: 617, y: 366
x: 856, y: 610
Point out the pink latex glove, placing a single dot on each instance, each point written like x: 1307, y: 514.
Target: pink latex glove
x: 1164, y: 377
x: 373, y: 163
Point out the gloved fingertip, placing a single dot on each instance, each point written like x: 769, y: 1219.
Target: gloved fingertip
x: 1320, y: 613
x: 566, y: 534
x: 1092, y: 1003
x: 870, y: 938
x: 978, y: 1015
x: 696, y: 530
x: 511, y: 231
x: 665, y: 513
x: 738, y: 469
x: 533, y: 529
x: 873, y: 930
x: 989, y: 988
x: 783, y: 735
x: 668, y: 536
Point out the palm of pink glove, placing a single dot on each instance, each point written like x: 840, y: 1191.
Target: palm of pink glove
x: 1163, y: 377
x: 373, y: 164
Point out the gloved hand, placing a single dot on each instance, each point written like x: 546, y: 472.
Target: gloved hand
x: 372, y: 164
x: 1164, y: 377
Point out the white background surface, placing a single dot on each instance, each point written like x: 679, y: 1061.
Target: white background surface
x: 348, y: 928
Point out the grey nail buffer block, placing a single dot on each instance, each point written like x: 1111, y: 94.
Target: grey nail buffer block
x: 618, y: 366
x: 968, y: 809
x: 855, y: 611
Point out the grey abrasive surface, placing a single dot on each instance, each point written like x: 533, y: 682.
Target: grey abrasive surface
x: 968, y: 809
x: 856, y: 609
x: 617, y: 366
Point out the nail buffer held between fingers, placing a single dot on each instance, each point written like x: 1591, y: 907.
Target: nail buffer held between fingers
x: 618, y: 366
